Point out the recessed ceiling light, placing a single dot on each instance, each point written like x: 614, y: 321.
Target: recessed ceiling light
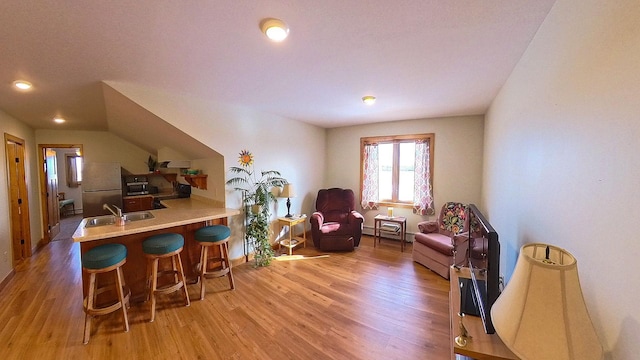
x: 275, y: 29
x: 22, y: 84
x: 59, y: 120
x: 369, y: 100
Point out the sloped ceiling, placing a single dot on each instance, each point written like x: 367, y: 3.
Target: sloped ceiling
x: 420, y: 58
x: 139, y: 126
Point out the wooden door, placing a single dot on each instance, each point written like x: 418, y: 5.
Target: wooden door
x: 53, y: 199
x: 49, y: 200
x: 19, y: 208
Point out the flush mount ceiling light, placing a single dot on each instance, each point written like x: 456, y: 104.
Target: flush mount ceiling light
x: 275, y: 29
x: 58, y: 120
x: 369, y: 100
x: 22, y: 84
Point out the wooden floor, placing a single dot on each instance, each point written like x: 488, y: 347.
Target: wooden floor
x: 373, y: 303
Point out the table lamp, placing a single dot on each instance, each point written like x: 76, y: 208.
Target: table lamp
x: 541, y: 313
x: 288, y: 192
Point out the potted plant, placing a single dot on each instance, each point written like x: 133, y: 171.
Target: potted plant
x: 152, y: 164
x: 256, y: 198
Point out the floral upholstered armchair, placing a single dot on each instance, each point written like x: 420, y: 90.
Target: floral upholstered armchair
x: 439, y: 245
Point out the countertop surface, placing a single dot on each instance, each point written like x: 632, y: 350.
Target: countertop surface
x: 178, y: 212
x: 160, y: 196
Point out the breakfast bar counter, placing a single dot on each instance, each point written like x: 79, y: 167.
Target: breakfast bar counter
x: 178, y: 212
x: 182, y: 216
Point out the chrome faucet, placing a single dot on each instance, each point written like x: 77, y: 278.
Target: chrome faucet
x: 116, y: 214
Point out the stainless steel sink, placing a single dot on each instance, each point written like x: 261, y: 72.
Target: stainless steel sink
x: 101, y: 220
x: 135, y: 216
x: 110, y: 219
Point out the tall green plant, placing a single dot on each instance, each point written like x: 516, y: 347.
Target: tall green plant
x: 256, y: 193
x: 255, y: 190
x: 258, y: 232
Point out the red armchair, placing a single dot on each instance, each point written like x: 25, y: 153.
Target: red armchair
x: 336, y: 226
x: 440, y: 244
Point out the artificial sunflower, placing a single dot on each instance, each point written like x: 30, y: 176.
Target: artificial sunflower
x: 246, y: 158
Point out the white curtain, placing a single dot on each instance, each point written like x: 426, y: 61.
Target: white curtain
x: 370, y: 177
x: 423, y: 192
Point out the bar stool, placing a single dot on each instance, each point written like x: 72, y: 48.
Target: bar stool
x: 208, y: 236
x: 103, y: 259
x: 158, y: 247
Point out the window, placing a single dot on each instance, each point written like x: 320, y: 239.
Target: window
x: 397, y: 171
x: 74, y: 170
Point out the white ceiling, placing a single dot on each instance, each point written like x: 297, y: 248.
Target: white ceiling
x: 420, y: 58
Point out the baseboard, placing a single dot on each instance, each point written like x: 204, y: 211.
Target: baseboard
x: 39, y: 245
x: 368, y: 230
x: 7, y: 279
x: 274, y: 246
x: 241, y: 260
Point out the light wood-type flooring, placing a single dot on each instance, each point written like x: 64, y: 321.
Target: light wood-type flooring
x: 373, y: 303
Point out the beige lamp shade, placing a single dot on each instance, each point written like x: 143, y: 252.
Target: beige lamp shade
x: 288, y: 191
x: 541, y: 313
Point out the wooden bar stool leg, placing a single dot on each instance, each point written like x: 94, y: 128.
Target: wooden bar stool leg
x: 223, y: 258
x: 120, y: 284
x: 174, y: 267
x: 228, y: 263
x: 184, y: 281
x: 201, y: 263
x: 148, y: 281
x: 154, y: 286
x: 203, y: 269
x: 90, y: 301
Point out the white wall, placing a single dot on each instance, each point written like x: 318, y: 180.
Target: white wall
x: 294, y: 148
x: 19, y: 129
x: 457, y: 163
x: 562, y: 157
x: 215, y: 179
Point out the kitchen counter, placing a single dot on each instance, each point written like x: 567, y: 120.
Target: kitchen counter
x: 182, y: 216
x: 178, y: 212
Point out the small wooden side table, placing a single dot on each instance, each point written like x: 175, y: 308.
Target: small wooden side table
x: 400, y: 220
x: 481, y: 345
x: 293, y: 241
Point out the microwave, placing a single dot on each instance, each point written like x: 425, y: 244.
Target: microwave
x: 137, y: 185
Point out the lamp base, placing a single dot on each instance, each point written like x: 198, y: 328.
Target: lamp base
x: 288, y: 208
x: 461, y: 341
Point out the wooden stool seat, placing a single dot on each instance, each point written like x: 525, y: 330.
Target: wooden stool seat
x: 103, y: 259
x: 164, y: 246
x: 209, y: 236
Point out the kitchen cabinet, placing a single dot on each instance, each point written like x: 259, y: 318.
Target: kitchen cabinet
x: 138, y: 203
